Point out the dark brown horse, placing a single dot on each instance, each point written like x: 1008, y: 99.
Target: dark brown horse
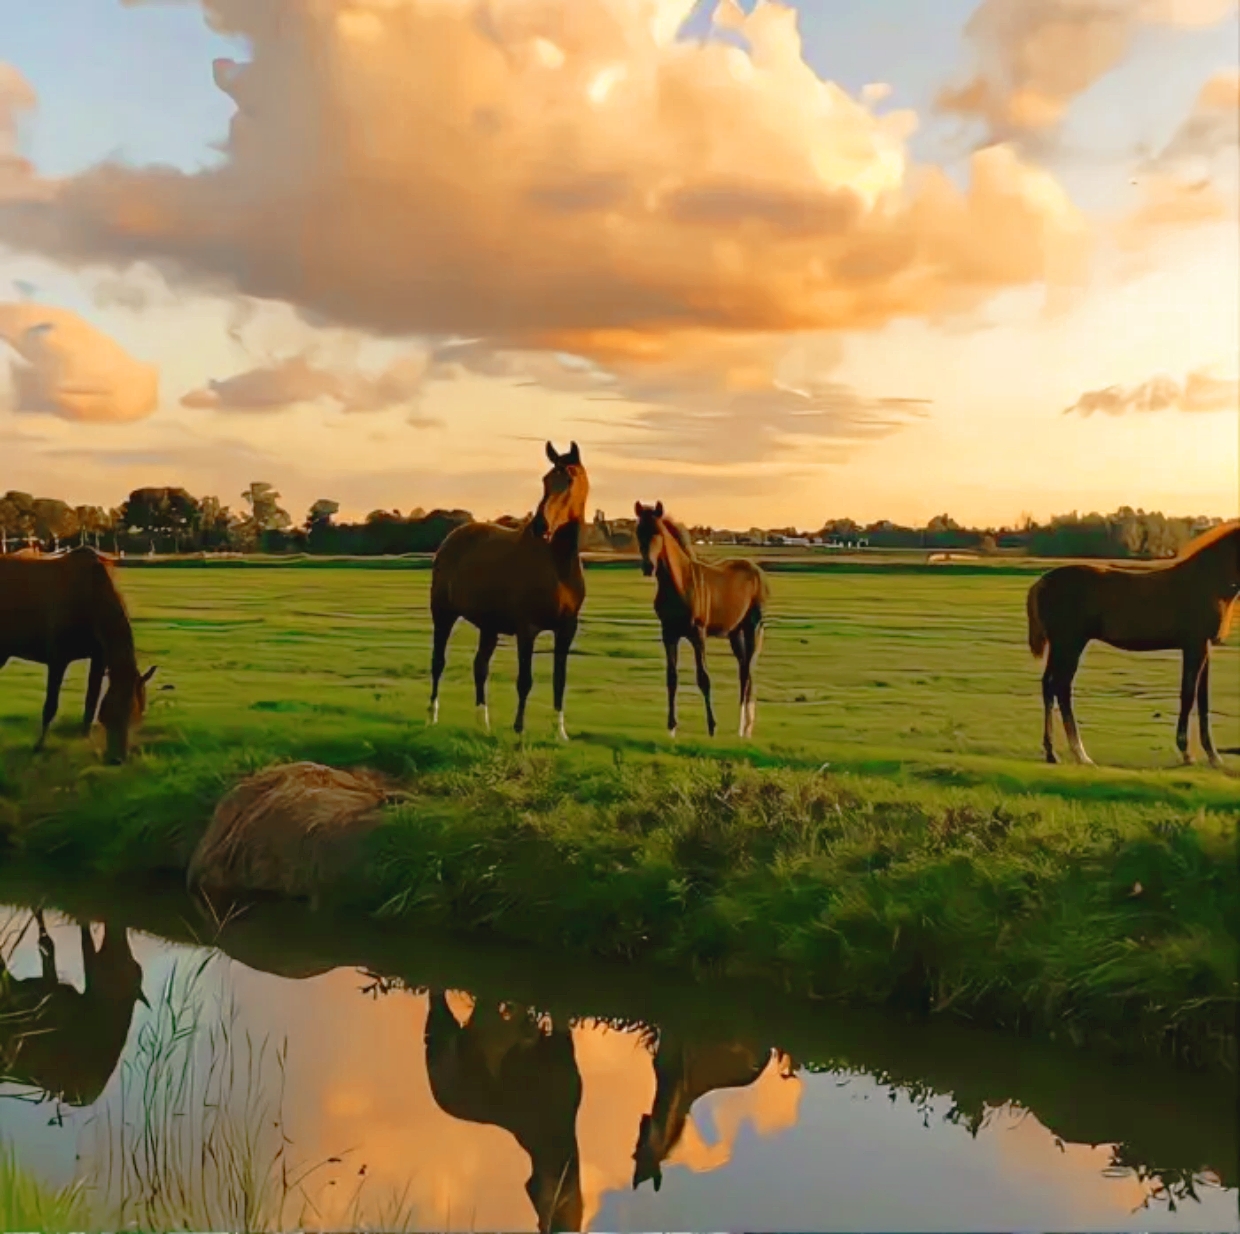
x: 66, y: 1043
x: 506, y: 1071
x: 684, y: 1072
x: 694, y: 601
x: 516, y: 581
x: 56, y: 610
x: 1181, y: 605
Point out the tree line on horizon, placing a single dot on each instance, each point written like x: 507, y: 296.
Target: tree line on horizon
x: 171, y: 521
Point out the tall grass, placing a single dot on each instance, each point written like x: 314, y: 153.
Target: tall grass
x: 28, y: 1204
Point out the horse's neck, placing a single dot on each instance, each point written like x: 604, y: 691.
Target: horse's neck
x: 115, y: 634
x: 1218, y: 563
x: 566, y: 550
x: 677, y: 569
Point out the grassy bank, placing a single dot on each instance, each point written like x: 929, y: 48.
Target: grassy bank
x: 934, y: 865
x: 1108, y: 917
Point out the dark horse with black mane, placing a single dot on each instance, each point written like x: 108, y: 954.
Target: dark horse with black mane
x: 1181, y: 605
x: 516, y: 581
x: 56, y: 610
x: 695, y: 600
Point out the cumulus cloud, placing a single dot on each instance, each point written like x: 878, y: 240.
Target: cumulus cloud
x: 529, y: 172
x: 1035, y: 57
x: 67, y: 368
x: 301, y: 379
x: 1200, y: 391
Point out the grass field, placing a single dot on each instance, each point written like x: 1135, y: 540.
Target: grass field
x: 937, y: 862
x: 921, y: 665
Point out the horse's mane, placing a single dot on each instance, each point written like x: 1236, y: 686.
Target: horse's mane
x: 680, y: 535
x: 1212, y: 536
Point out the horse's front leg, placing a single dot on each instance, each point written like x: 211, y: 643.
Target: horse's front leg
x: 487, y: 640
x: 564, y: 635
x: 525, y: 675
x: 51, y: 704
x: 698, y: 640
x: 671, y: 649
x: 737, y: 639
x: 94, y: 686
x: 1190, y: 681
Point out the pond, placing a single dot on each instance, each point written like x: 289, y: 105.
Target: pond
x: 283, y: 1070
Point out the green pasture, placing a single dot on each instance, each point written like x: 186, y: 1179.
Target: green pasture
x: 855, y: 665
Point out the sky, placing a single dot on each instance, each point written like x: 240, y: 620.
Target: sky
x: 769, y: 263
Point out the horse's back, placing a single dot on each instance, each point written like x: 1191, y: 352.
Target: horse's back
x: 47, y: 602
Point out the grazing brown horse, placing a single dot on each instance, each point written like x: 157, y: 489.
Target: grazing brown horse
x: 66, y: 1043
x: 507, y: 1072
x: 56, y: 610
x: 694, y: 601
x: 1181, y: 605
x: 515, y: 581
x: 684, y: 1072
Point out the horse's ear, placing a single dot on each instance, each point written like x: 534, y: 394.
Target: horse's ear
x: 637, y: 508
x: 573, y: 457
x: 658, y: 509
x: 150, y: 672
x: 552, y: 455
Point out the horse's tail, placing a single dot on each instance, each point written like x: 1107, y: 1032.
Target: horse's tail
x: 1037, y: 631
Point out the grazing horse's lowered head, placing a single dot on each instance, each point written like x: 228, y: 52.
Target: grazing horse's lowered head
x: 122, y: 711
x: 565, y: 492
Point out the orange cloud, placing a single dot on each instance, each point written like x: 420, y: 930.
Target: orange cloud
x: 1035, y: 57
x: 299, y: 379
x: 516, y: 171
x: 1200, y: 391
x: 67, y: 368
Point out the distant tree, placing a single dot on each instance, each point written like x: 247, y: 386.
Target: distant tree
x: 93, y: 521
x: 171, y: 513
x: 54, y: 520
x: 266, y: 515
x: 319, y: 527
x: 215, y: 524
x: 18, y: 517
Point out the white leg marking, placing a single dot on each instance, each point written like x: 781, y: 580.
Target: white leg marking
x: 560, y: 731
x: 484, y: 717
x: 435, y: 712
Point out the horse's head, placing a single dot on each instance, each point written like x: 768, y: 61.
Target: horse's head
x: 565, y: 490
x: 650, y: 533
x: 122, y: 710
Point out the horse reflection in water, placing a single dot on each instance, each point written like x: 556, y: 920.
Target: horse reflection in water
x: 684, y: 1072
x: 503, y: 1068
x: 65, y: 1043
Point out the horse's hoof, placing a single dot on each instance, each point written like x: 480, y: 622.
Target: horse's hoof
x: 1050, y: 757
x: 484, y: 717
x: 671, y: 732
x: 561, y: 732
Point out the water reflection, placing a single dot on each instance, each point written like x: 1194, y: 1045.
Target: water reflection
x: 59, y: 1042
x: 684, y: 1072
x: 509, y: 1067
x: 543, y: 1101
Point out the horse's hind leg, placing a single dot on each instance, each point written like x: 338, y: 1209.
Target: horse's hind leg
x: 94, y: 685
x: 51, y: 704
x: 1190, y: 684
x: 697, y: 640
x: 487, y: 641
x: 1063, y: 668
x: 442, y: 623
x: 740, y: 649
x: 753, y: 645
x: 1203, y: 712
x: 1048, y: 714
